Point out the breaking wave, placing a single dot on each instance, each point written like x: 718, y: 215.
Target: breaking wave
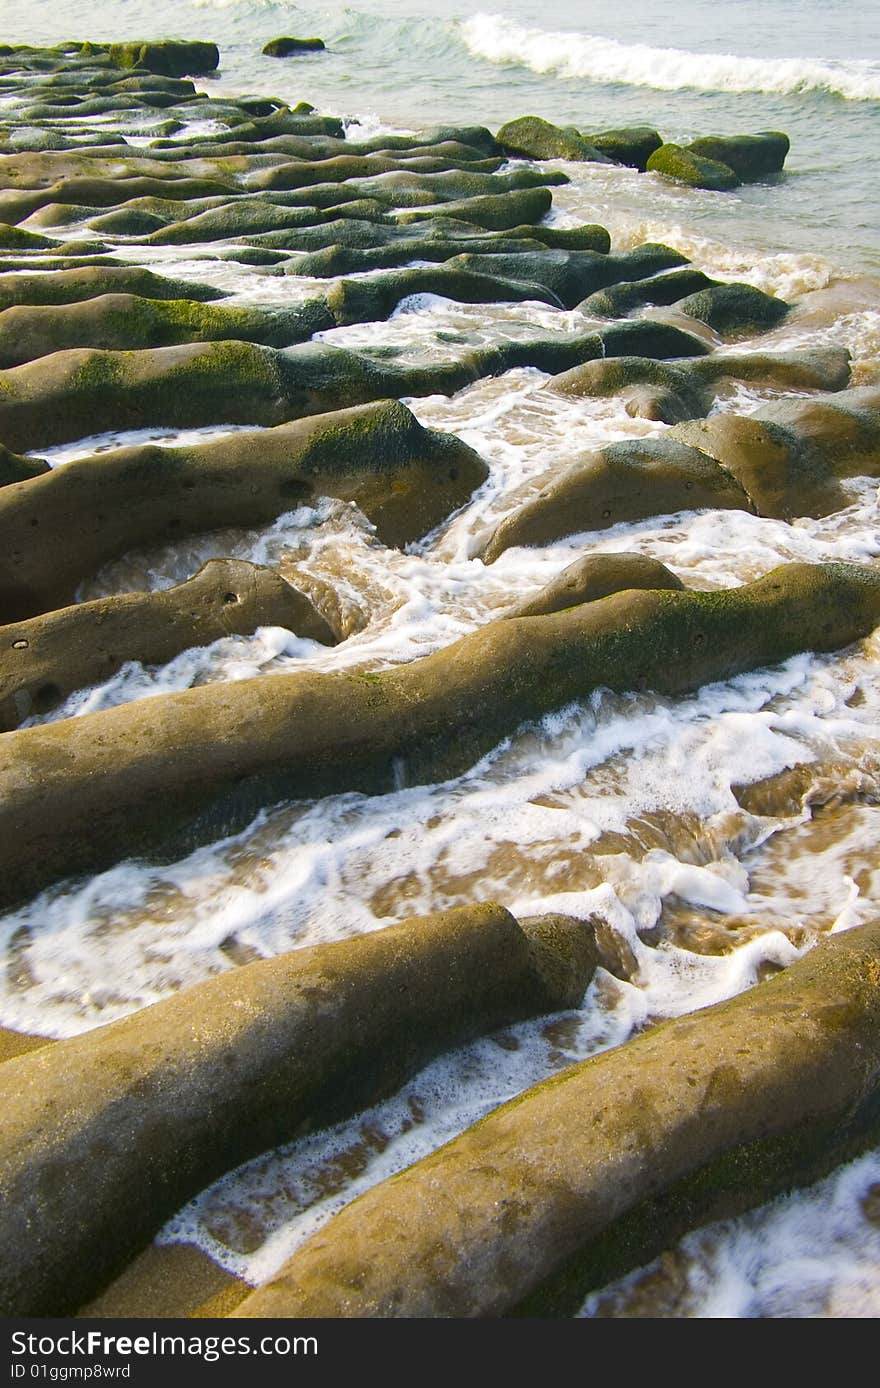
x: 603, y: 60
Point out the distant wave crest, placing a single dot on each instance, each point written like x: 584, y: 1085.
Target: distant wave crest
x: 569, y: 54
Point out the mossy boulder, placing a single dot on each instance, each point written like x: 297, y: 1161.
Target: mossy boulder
x: 168, y: 57
x: 632, y: 145
x: 493, y: 211
x: 651, y: 389
x: 597, y: 576
x: 605, y: 1165
x: 126, y: 322
x: 405, y: 478
x: 572, y: 274
x: 374, y: 298
x: 750, y: 156
x: 620, y: 299
x: 734, y: 308
x: 289, y: 48
x: 162, y: 774
x: 241, y: 1063
x: 684, y: 166
x: 531, y: 137
x: 625, y: 481
x: 812, y: 368
x: 73, y: 286
x: 44, y: 659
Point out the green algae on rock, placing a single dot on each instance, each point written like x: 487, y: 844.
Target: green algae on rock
x: 532, y: 137
x: 288, y: 48
x: 684, y: 166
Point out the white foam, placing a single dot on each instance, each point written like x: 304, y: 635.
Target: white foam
x: 814, y: 1254
x: 570, y: 55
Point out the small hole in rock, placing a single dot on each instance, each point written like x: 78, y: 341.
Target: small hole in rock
x: 19, y: 645
x: 231, y: 597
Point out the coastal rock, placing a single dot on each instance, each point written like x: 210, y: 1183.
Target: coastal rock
x: 374, y: 298
x: 406, y: 479
x: 620, y: 299
x: 168, y: 57
x: 782, y: 477
x: 44, y: 659
x: 72, y: 286
x: 624, y: 481
x: 15, y: 468
x: 184, y: 1090
x: 572, y: 274
x: 531, y: 137
x: 494, y: 211
x: 288, y: 48
x: 712, y: 1114
x: 163, y: 774
x: 684, y: 166
x: 126, y: 322
x: 632, y: 145
x: 597, y: 576
x: 734, y: 308
x: 750, y: 156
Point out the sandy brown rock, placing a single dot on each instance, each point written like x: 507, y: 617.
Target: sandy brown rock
x: 624, y: 481
x: 597, y: 576
x: 406, y: 479
x: 602, y: 1166
x: 163, y: 774
x: 150, y: 1109
x: 45, y: 659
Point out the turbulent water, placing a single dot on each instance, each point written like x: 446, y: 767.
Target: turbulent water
x: 623, y: 807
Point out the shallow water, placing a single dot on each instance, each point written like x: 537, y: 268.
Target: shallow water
x: 629, y: 807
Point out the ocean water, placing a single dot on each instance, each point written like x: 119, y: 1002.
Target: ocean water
x: 624, y: 807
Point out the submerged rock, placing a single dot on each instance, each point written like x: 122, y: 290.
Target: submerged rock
x: 697, y: 1119
x: 165, y: 773
x: 288, y: 48
x: 44, y: 659
x: 189, y: 1088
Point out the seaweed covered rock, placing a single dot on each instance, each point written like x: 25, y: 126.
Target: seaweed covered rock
x: 624, y: 481
x: 597, y: 576
x: 74, y: 285
x: 288, y: 48
x: 239, y: 1064
x: 168, y: 57
x: 531, y: 137
x: 632, y: 145
x: 734, y: 308
x: 685, y: 166
x: 603, y: 1166
x: 163, y: 774
x: 572, y: 274
x: 493, y: 211
x: 651, y: 389
x: 750, y: 156
x: 620, y: 299
x: 44, y: 659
